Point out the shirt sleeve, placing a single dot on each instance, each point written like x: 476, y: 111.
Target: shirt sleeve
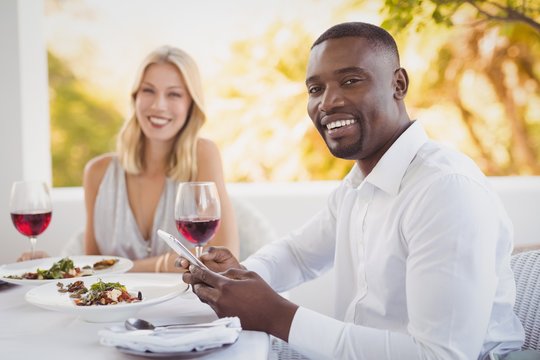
x: 451, y: 236
x: 322, y: 337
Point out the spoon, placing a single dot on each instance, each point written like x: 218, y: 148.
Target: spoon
x: 140, y: 324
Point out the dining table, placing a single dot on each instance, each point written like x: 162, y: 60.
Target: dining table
x: 30, y: 332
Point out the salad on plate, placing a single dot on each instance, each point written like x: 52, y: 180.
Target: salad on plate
x: 100, y: 293
x: 64, y: 268
x: 51, y: 270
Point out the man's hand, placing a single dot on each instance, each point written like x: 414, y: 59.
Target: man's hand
x: 242, y: 293
x: 217, y: 259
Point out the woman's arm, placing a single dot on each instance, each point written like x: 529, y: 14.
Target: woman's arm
x: 210, y: 169
x: 161, y: 263
x: 93, y: 175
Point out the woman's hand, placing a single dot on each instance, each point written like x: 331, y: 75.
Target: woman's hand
x: 38, y: 254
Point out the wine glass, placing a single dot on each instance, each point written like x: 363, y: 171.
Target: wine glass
x: 197, y: 212
x: 31, y: 209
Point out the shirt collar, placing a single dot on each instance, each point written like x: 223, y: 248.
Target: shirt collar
x: 391, y: 168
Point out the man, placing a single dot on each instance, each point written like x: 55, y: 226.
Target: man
x: 419, y: 242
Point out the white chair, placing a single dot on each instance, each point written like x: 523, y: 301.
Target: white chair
x: 526, y: 267
x: 74, y: 245
x: 254, y: 230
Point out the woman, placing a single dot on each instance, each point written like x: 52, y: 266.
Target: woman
x: 130, y: 194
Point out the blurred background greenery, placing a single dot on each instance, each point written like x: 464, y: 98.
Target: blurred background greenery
x: 475, y: 85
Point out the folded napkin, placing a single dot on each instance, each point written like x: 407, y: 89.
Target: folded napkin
x: 173, y: 340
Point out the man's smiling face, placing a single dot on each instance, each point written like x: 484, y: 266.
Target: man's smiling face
x: 351, y: 96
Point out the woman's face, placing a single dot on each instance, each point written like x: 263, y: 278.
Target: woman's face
x: 162, y: 102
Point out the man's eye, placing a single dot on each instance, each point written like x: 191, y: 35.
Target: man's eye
x: 351, y: 81
x: 314, y: 89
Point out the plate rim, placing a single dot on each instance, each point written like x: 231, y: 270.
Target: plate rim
x: 128, y: 264
x: 176, y: 354
x: 115, y: 277
x: 92, y: 310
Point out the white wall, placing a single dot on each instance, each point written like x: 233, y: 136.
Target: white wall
x: 284, y: 205
x: 24, y: 103
x: 24, y: 94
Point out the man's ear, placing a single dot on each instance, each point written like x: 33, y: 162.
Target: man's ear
x: 401, y: 83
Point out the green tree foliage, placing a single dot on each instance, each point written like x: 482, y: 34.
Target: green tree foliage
x: 497, y: 44
x: 269, y: 136
x: 509, y: 143
x: 401, y: 14
x: 495, y: 115
x: 500, y: 45
x: 479, y: 80
x: 82, y: 124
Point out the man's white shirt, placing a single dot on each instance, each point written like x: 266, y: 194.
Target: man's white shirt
x: 421, y: 250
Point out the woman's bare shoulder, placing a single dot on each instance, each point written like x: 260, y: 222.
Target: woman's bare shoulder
x: 206, y: 148
x: 208, y: 161
x: 96, y: 167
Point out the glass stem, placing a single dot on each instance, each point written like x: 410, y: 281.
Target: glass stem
x: 33, y: 240
x: 198, y: 251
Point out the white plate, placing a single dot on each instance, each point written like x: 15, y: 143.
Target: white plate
x: 155, y: 288
x: 19, y: 268
x: 172, y: 355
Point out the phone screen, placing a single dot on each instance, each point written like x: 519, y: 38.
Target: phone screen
x: 179, y: 248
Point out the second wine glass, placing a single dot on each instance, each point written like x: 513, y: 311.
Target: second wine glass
x: 31, y: 210
x: 197, y: 212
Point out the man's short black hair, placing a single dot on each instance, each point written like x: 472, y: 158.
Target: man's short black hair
x: 376, y: 36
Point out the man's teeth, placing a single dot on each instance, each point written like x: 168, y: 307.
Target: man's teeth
x: 158, y: 121
x: 339, y: 123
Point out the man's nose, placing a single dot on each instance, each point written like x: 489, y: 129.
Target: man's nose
x: 332, y: 98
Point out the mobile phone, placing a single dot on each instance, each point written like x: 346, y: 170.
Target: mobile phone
x: 180, y: 249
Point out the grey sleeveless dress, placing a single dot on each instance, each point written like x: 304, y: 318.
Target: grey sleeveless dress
x: 115, y: 228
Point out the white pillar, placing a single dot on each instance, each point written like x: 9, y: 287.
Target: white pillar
x: 24, y: 102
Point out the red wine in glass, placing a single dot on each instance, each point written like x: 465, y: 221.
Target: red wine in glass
x: 30, y: 209
x: 197, y: 231
x: 31, y: 223
x: 197, y: 212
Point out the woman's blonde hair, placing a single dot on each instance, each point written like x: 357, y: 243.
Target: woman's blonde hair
x: 183, y: 156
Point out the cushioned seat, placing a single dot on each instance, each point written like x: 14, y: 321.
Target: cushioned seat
x: 526, y: 266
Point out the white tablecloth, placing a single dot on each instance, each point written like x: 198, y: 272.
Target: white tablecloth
x: 29, y: 332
